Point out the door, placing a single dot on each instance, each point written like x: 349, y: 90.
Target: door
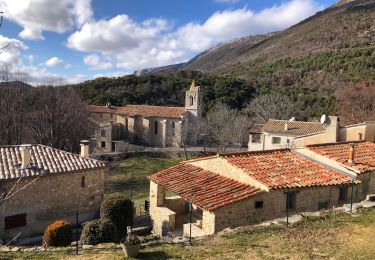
x: 113, y: 147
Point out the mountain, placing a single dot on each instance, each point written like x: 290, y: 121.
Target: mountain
x: 324, y: 51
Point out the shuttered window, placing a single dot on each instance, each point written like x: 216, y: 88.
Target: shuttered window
x: 15, y: 221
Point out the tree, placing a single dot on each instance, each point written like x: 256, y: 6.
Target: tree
x: 271, y: 106
x: 356, y: 102
x: 59, y: 118
x: 224, y: 127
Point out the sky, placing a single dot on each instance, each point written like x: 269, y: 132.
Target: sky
x: 69, y: 41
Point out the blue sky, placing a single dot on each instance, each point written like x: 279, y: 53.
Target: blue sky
x: 59, y: 41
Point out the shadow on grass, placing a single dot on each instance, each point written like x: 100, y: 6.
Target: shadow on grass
x: 153, y: 255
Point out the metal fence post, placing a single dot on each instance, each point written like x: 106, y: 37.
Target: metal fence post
x: 77, y: 237
x: 351, y: 197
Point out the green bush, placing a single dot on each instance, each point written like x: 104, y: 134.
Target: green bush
x: 119, y: 210
x: 99, y: 231
x: 58, y: 233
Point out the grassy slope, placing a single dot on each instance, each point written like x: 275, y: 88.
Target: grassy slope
x: 343, y: 237
x: 129, y: 176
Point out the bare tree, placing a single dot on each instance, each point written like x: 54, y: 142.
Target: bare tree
x: 271, y: 106
x: 59, y: 118
x: 224, y: 127
x: 356, y: 102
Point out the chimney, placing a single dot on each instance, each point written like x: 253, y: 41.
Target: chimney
x: 25, y: 155
x: 286, y: 127
x: 85, y: 148
x: 108, y: 105
x: 351, y: 154
x: 292, y: 119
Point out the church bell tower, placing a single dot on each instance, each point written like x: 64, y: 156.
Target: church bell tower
x: 194, y: 100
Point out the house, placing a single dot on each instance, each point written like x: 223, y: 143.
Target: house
x: 229, y: 190
x: 276, y: 134
x: 147, y: 125
x: 40, y: 184
x: 356, y: 158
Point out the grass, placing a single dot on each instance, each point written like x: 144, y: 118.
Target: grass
x: 329, y: 237
x: 129, y: 176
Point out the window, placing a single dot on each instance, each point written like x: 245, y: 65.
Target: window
x: 276, y: 140
x: 83, y: 179
x: 156, y: 127
x: 364, y: 186
x: 256, y: 138
x: 343, y: 193
x: 323, y: 205
x: 103, y: 144
x: 173, y: 128
x: 101, y: 115
x: 103, y: 133
x: 111, y: 115
x: 259, y: 204
x: 126, y: 124
x: 291, y: 200
x: 191, y: 100
x: 15, y: 221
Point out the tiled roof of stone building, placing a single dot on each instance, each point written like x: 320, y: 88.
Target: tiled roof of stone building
x: 284, y: 169
x: 44, y: 161
x: 141, y: 110
x: 364, y: 154
x: 103, y: 109
x: 293, y: 127
x: 205, y: 189
x: 157, y: 111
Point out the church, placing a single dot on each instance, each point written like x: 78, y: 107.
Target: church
x: 159, y: 126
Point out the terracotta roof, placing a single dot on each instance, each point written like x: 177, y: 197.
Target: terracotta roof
x: 44, y: 160
x: 102, y: 109
x: 364, y: 154
x: 294, y: 127
x: 205, y: 189
x: 284, y: 169
x: 256, y: 129
x: 141, y: 110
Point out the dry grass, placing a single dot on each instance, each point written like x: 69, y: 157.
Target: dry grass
x: 344, y: 237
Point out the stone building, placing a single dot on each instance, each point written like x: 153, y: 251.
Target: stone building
x: 147, y: 125
x: 355, y: 158
x: 276, y: 134
x: 40, y: 184
x: 236, y: 189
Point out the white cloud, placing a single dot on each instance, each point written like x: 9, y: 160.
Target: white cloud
x: 36, y: 16
x: 135, y: 45
x: 94, y: 61
x: 55, y: 62
x: 227, y: 1
x: 11, y: 50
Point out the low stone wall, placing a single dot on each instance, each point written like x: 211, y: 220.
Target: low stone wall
x: 53, y: 197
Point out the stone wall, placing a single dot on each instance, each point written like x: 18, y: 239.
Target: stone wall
x: 274, y: 206
x: 53, y: 197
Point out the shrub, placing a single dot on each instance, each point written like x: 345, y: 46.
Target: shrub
x: 119, y: 210
x: 99, y: 231
x: 58, y: 233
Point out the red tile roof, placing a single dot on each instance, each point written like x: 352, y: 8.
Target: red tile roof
x: 44, y: 160
x: 294, y: 127
x: 157, y: 111
x: 284, y: 169
x: 103, y: 109
x: 141, y: 110
x: 205, y: 189
x: 364, y: 154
